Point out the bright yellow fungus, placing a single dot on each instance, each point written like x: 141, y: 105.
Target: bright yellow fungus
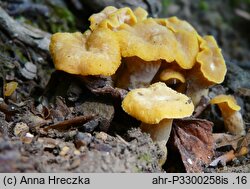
x: 152, y: 104
x: 157, y: 106
x: 212, y: 63
x: 140, y: 14
x: 187, y: 41
x: 91, y: 53
x: 170, y: 74
x: 112, y: 18
x: 96, y: 19
x: 148, y: 41
x: 233, y: 120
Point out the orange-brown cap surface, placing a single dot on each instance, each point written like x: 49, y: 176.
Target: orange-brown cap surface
x: 151, y: 105
x: 140, y: 14
x: 96, y: 19
x: 147, y: 40
x: 212, y: 64
x: 91, y: 53
x: 187, y: 40
x: 168, y: 74
x: 228, y: 100
x: 112, y: 18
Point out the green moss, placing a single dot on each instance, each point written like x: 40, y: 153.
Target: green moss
x: 146, y: 158
x: 63, y: 20
x: 203, y: 5
x: 165, y: 5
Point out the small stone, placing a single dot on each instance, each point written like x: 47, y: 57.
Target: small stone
x: 102, y: 136
x: 82, y: 139
x: 29, y: 70
x: 76, y: 163
x: 48, y: 142
x: 20, y: 128
x: 77, y: 152
x: 27, y: 138
x: 64, y: 151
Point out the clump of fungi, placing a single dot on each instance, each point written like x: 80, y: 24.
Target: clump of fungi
x: 146, y: 56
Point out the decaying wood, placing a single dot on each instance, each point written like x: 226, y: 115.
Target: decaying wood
x: 29, y: 35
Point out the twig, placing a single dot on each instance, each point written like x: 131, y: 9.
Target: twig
x: 66, y: 124
x: 29, y: 35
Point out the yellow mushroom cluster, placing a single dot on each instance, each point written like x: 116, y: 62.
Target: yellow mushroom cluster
x: 146, y: 50
x: 146, y: 56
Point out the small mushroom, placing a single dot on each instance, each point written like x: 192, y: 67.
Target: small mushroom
x: 91, y: 53
x: 171, y: 76
x: 230, y: 112
x: 157, y: 106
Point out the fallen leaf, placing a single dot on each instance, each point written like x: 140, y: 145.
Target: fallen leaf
x: 60, y: 111
x: 10, y: 88
x: 223, y: 139
x: 229, y: 156
x: 236, y: 141
x: 193, y: 139
x: 243, y: 92
x: 240, y: 144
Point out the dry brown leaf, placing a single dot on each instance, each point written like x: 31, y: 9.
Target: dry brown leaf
x: 240, y: 144
x: 236, y: 141
x: 194, y: 141
x: 223, y: 139
x: 229, y: 156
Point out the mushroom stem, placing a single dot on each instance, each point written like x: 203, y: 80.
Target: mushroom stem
x: 160, y: 134
x: 137, y: 73
x: 233, y: 120
x: 195, y: 90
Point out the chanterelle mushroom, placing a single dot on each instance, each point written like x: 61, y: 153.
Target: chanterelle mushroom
x: 210, y: 69
x: 233, y: 120
x: 113, y: 18
x: 91, y: 53
x: 157, y: 106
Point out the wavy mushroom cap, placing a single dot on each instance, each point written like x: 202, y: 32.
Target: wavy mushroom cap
x: 212, y: 64
x: 188, y: 48
x: 96, y: 19
x: 140, y: 14
x: 112, y: 18
x: 168, y: 74
x: 148, y: 41
x: 187, y: 40
x: 91, y: 53
x: 151, y: 105
x: 228, y: 101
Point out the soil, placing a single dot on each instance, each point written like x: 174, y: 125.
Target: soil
x: 56, y: 122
